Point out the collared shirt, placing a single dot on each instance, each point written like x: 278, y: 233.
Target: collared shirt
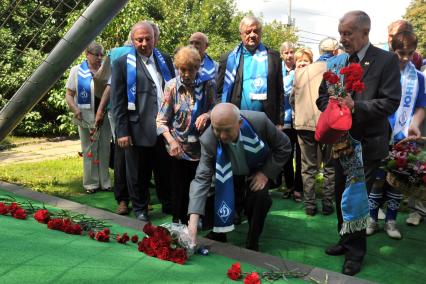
x: 361, y: 53
x: 175, y: 115
x: 156, y: 76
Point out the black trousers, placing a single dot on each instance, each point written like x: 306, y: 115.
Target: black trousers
x: 120, y: 183
x: 162, y: 166
x: 256, y: 205
x: 354, y: 243
x: 183, y: 172
x: 293, y: 179
x: 139, y: 166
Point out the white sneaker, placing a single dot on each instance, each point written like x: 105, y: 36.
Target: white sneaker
x: 372, y: 227
x: 381, y: 215
x: 414, y: 219
x: 392, y: 231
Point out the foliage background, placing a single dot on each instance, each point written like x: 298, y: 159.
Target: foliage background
x: 30, y: 30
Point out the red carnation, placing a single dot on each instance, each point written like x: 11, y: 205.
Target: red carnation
x: 163, y: 253
x: 90, y: 155
x: 358, y: 87
x: 135, y: 239
x: 331, y: 77
x: 73, y: 229
x: 12, y: 207
x: 149, y: 229
x: 178, y: 256
x: 106, y: 231
x: 91, y: 234
x: 19, y: 214
x: 42, y: 216
x: 252, y: 278
x: 96, y: 162
x: 234, y: 272
x: 122, y: 239
x: 3, y: 209
x: 401, y: 162
x: 55, y: 224
x: 101, y: 236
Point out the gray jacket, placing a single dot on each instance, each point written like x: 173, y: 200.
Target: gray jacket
x: 277, y: 141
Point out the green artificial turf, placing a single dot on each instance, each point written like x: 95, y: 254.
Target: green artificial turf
x: 290, y: 234
x: 31, y: 253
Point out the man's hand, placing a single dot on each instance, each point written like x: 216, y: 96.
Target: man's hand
x: 77, y: 113
x: 100, y: 114
x: 258, y: 181
x: 175, y: 149
x: 125, y: 142
x: 413, y: 130
x: 201, y: 121
x: 193, y: 227
x: 348, y: 101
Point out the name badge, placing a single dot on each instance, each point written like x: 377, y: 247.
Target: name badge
x: 192, y: 139
x: 259, y: 97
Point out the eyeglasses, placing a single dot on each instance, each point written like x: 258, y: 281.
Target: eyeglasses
x: 96, y: 54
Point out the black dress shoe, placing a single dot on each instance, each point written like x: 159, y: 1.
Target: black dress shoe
x: 327, y: 210
x: 335, y: 250
x: 219, y: 237
x: 237, y: 218
x: 351, y: 267
x: 311, y: 211
x: 142, y: 216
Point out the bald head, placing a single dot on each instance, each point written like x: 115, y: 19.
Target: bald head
x: 200, y: 41
x: 226, y: 121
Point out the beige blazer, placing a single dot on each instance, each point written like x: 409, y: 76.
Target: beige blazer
x: 306, y: 84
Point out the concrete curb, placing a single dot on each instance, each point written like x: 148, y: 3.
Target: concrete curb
x: 42, y: 140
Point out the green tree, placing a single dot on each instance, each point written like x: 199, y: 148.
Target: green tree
x: 416, y: 14
x: 32, y: 28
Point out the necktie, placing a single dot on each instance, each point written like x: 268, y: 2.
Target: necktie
x: 353, y: 58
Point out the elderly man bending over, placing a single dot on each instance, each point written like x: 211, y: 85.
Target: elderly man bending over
x: 243, y: 150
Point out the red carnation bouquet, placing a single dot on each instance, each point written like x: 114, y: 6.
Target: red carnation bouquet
x: 172, y: 243
x: 339, y: 87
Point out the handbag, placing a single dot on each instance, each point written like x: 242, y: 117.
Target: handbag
x: 335, y: 121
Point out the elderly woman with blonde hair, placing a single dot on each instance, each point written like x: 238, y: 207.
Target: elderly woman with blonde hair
x: 184, y: 114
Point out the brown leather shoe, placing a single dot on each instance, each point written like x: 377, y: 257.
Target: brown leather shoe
x: 122, y: 208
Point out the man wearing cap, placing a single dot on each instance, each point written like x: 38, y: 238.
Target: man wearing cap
x: 328, y: 48
x: 306, y: 83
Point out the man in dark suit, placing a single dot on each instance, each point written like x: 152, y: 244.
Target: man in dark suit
x: 369, y: 120
x: 246, y: 88
x: 255, y: 151
x: 137, y: 82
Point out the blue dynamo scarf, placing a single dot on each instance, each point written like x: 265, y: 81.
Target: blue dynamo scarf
x: 288, y: 78
x: 84, y: 80
x: 199, y: 105
x: 256, y: 152
x: 259, y: 71
x: 165, y: 72
x: 131, y: 80
x: 131, y: 75
x: 207, y: 72
x: 354, y: 203
x: 401, y: 119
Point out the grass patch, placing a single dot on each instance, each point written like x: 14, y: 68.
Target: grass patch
x: 11, y: 140
x: 62, y: 177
